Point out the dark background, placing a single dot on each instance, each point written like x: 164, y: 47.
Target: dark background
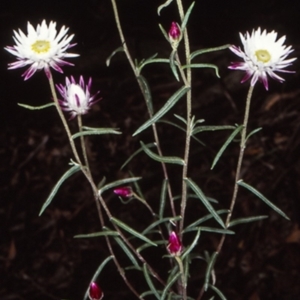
x: 39, y: 258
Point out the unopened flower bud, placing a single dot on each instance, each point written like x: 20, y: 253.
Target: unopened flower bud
x: 95, y: 293
x: 174, y: 32
x: 124, y: 191
x: 174, y: 246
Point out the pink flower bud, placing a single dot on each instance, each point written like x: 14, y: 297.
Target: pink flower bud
x: 174, y: 32
x: 95, y: 293
x: 174, y: 246
x: 124, y: 191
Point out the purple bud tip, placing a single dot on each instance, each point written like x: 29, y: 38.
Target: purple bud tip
x: 174, y: 32
x: 124, y: 191
x: 174, y: 246
x: 95, y: 293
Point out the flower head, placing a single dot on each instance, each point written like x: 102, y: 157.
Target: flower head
x: 174, y: 32
x: 76, y: 96
x: 174, y: 246
x: 41, y: 48
x: 262, y: 56
x: 124, y: 191
x: 95, y: 293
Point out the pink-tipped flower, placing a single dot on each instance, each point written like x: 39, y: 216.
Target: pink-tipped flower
x: 262, y: 56
x: 174, y: 32
x: 95, y: 293
x: 174, y: 246
x: 41, y: 48
x: 77, y: 97
x: 124, y: 191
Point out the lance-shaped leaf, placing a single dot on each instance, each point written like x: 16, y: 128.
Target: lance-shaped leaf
x: 97, y: 273
x: 204, y: 200
x: 154, y: 224
x: 192, y: 246
x: 186, y: 17
x: 147, y: 93
x: 120, y: 49
x: 151, y: 60
x: 97, y: 234
x: 201, y: 66
x: 210, y: 229
x: 117, y: 183
x: 36, y: 107
x: 246, y: 220
x: 223, y: 148
x: 164, y: 159
x: 149, y: 281
x: 262, y: 197
x: 163, y: 194
x: 167, y: 3
x: 212, y: 128
x: 209, y: 268
x: 173, y: 64
x: 150, y: 145
x: 217, y: 291
x: 171, y: 281
x: 95, y: 131
x: 168, y: 105
x: 69, y: 173
x: 199, y: 52
x: 131, y: 231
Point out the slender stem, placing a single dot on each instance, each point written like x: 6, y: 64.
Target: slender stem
x: 63, y: 119
x: 83, y: 147
x: 188, y: 120
x: 237, y: 173
x: 183, y: 280
x: 136, y: 72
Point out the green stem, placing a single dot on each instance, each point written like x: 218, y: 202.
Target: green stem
x: 237, y: 173
x: 136, y: 73
x: 83, y: 147
x: 183, y: 280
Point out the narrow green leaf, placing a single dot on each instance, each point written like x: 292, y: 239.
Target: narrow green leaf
x: 191, y: 247
x: 201, y: 66
x: 97, y: 273
x: 117, y: 183
x: 150, y: 145
x: 205, y: 218
x: 36, y: 107
x: 210, y: 229
x: 113, y: 54
x: 217, y: 291
x: 154, y: 224
x: 145, y: 246
x: 204, y: 200
x: 131, y: 231
x: 147, y: 93
x: 167, y: 3
x: 97, y: 234
x: 186, y: 17
x: 180, y: 118
x: 163, y: 194
x: 246, y: 220
x: 168, y: 105
x: 262, y: 197
x: 98, y: 131
x: 211, y: 128
x: 153, y: 61
x: 164, y: 32
x: 198, y: 52
x: 168, y: 285
x: 173, y: 65
x: 228, y: 141
x: 253, y: 132
x: 209, y: 268
x: 164, y: 159
x: 127, y: 251
x: 149, y: 281
x: 69, y: 173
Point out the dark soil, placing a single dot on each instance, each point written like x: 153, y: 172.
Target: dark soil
x: 39, y: 257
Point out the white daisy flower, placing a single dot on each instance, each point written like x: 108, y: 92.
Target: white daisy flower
x: 76, y: 96
x: 262, y: 56
x: 41, y: 48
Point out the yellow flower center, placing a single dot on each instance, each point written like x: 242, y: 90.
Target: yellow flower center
x: 263, y: 56
x: 40, y: 46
